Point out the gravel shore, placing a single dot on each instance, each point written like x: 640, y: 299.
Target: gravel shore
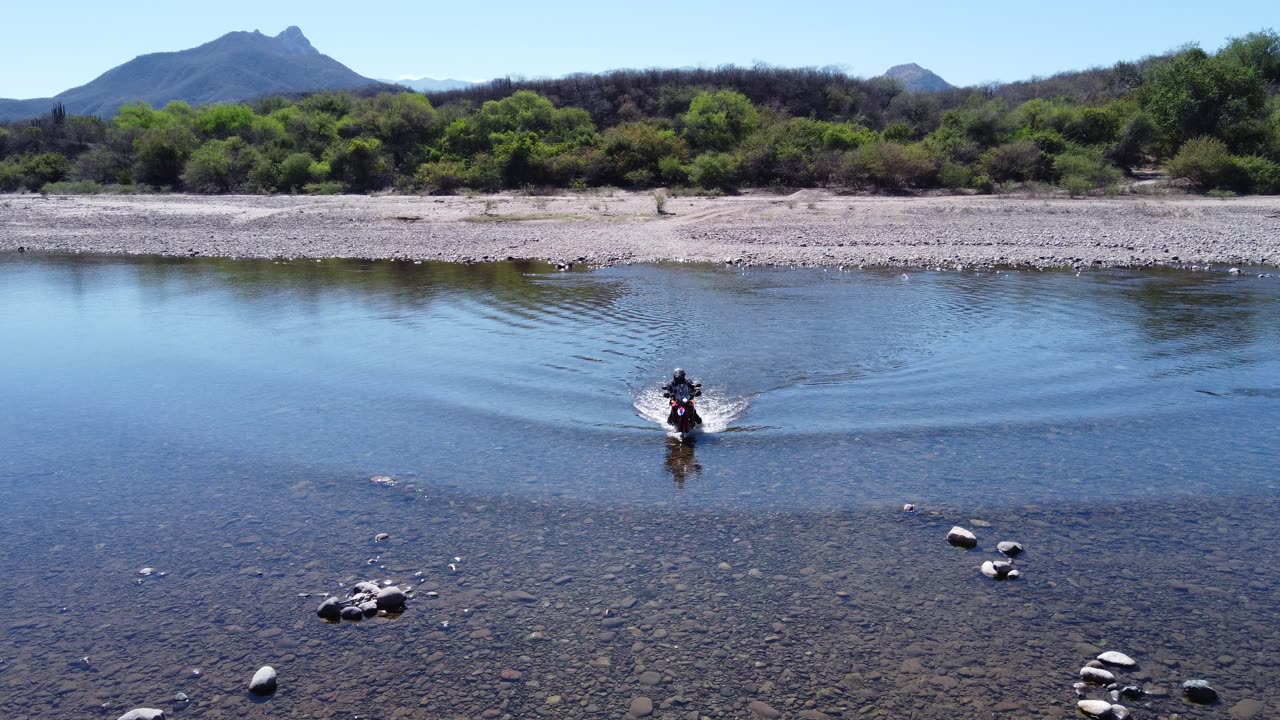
x: 810, y: 227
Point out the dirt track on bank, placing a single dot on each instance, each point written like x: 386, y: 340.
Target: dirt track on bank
x: 809, y: 227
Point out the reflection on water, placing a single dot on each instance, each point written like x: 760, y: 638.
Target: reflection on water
x: 219, y: 421
x: 681, y: 462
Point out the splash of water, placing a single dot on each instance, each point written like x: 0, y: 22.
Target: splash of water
x: 718, y: 411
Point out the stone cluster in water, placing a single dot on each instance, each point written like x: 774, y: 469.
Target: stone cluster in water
x: 997, y: 569
x: 366, y: 600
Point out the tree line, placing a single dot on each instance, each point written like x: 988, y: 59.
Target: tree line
x: 1212, y: 119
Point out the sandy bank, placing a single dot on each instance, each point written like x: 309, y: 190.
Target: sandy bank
x: 808, y: 227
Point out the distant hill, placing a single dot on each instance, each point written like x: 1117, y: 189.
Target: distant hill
x: 914, y: 78
x: 236, y: 66
x: 426, y: 84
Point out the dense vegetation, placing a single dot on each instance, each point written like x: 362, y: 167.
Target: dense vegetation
x: 1211, y: 119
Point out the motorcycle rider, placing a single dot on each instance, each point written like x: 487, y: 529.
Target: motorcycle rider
x: 681, y: 387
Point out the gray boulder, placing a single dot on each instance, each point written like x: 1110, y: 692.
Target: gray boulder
x: 330, y: 609
x: 1097, y: 676
x: 1198, y: 691
x: 1095, y: 708
x: 264, y: 681
x: 391, y: 599
x: 960, y: 537
x: 353, y: 614
x: 1009, y: 548
x: 1119, y: 659
x: 143, y: 714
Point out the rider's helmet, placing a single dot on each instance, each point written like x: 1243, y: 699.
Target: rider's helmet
x: 678, y: 374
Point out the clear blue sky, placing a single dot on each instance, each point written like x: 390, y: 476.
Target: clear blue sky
x: 48, y: 47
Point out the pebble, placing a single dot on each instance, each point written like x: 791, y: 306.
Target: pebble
x: 519, y: 596
x: 1009, y: 548
x: 1111, y: 657
x: 381, y: 536
x: 1198, y: 691
x: 1094, y: 708
x: 264, y: 681
x: 511, y: 675
x: 763, y: 709
x: 650, y: 677
x: 640, y: 707
x: 960, y: 537
x: 143, y: 714
x: 1097, y: 676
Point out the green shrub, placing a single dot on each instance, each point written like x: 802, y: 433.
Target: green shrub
x: 328, y: 187
x: 954, y: 176
x: 39, y: 170
x: 1016, y: 161
x: 1207, y: 163
x: 1080, y: 173
x: 887, y: 165
x: 295, y: 171
x: 672, y: 171
x: 1263, y: 174
x: 717, y: 171
x: 719, y: 120
x: 983, y: 184
x: 77, y: 187
x: 440, y: 178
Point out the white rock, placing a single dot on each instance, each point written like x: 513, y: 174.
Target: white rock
x: 1097, y: 676
x: 1111, y: 657
x: 1095, y: 708
x: 1009, y: 548
x: 264, y: 681
x: 143, y: 714
x: 960, y: 537
x: 989, y: 569
x: 1119, y: 712
x: 1014, y: 574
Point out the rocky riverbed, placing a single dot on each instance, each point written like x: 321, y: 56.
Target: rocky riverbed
x: 528, y: 606
x: 808, y: 227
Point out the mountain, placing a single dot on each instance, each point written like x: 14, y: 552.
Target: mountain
x: 914, y: 78
x: 236, y: 66
x: 426, y: 84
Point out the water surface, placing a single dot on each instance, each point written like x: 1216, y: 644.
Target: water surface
x: 220, y: 420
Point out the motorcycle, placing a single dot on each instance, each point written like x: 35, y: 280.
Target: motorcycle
x: 683, y: 416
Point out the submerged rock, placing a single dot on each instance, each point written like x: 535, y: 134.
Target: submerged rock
x: 1095, y: 708
x: 143, y: 714
x: 640, y: 707
x: 1198, y: 691
x: 1111, y: 657
x: 1009, y: 548
x: 960, y: 537
x: 763, y: 709
x: 1119, y: 712
x: 264, y: 681
x: 1097, y: 676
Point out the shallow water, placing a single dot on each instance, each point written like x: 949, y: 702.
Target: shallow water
x: 220, y: 420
